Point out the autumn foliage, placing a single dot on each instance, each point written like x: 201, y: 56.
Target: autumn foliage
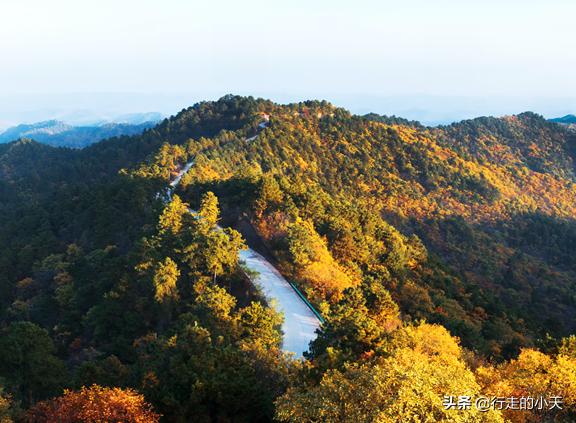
x: 95, y: 404
x: 441, y: 260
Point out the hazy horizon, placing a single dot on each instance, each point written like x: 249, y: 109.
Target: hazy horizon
x: 87, y: 109
x: 433, y: 62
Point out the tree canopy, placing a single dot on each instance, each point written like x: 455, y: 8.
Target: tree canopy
x: 441, y: 260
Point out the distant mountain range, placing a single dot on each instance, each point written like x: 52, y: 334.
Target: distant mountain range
x: 60, y: 134
x: 137, y: 118
x: 567, y: 120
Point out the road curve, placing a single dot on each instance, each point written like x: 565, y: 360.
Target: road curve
x: 300, y: 322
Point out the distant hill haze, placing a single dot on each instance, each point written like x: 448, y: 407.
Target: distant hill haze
x: 60, y: 134
x: 568, y: 119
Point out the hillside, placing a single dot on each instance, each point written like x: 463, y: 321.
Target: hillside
x: 403, y: 236
x: 472, y: 193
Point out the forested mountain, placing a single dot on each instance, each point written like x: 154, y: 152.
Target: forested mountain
x: 60, y: 134
x: 440, y: 258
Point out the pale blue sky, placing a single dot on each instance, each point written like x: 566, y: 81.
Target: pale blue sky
x: 430, y: 60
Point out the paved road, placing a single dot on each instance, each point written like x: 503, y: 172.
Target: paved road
x: 300, y: 323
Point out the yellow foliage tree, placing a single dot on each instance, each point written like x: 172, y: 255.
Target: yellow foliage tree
x: 536, y: 375
x: 407, y: 386
x: 4, y: 407
x: 165, y: 279
x: 171, y: 217
x: 315, y: 265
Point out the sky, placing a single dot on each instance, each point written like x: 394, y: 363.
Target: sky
x: 435, y: 61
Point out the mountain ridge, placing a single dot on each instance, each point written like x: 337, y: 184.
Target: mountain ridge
x: 446, y: 247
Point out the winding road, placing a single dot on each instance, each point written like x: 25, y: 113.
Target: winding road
x: 300, y: 322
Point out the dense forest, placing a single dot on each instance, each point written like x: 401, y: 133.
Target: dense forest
x: 440, y: 259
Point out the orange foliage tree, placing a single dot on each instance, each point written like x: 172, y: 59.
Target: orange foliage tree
x: 95, y: 404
